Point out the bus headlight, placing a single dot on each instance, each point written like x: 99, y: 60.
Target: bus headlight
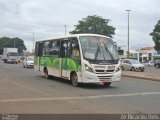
x: 88, y: 68
x: 118, y: 69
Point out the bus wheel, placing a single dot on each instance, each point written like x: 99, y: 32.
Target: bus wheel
x: 46, y: 73
x: 74, y: 79
x: 107, y: 83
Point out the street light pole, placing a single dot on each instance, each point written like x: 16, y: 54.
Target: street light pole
x: 128, y: 30
x: 65, y: 26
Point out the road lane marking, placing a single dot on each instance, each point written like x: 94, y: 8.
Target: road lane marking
x: 77, y: 98
x: 24, y: 86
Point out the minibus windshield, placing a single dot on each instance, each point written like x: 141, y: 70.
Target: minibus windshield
x: 98, y: 48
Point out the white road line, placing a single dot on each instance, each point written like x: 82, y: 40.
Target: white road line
x: 77, y: 98
x: 24, y: 86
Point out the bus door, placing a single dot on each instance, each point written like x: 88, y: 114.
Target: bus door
x: 65, y: 50
x: 40, y: 52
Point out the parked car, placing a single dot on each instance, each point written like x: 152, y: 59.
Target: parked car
x: 131, y: 64
x: 149, y: 63
x: 28, y: 62
x: 145, y: 61
x: 157, y: 63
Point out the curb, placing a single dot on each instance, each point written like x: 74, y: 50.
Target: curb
x: 143, y: 78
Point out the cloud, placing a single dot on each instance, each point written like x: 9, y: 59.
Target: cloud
x: 47, y: 18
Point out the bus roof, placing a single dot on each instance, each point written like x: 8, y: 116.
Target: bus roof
x: 73, y: 35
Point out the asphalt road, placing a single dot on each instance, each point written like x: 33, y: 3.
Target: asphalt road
x: 27, y: 91
x: 152, y: 69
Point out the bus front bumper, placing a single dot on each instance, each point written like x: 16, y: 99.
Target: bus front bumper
x: 89, y: 77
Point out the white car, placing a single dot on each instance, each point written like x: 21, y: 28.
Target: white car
x: 28, y: 62
x: 131, y: 64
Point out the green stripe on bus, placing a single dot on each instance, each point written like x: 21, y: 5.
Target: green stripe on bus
x: 54, y: 62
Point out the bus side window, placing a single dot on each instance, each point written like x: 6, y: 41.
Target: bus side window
x: 64, y: 49
x: 75, y: 53
x: 39, y: 49
x: 54, y: 50
x: 46, y: 48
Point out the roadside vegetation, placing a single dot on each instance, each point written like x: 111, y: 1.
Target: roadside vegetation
x: 6, y: 42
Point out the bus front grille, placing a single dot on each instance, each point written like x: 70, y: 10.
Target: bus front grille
x: 104, y: 77
x: 104, y: 71
x: 109, y: 70
x: 99, y: 70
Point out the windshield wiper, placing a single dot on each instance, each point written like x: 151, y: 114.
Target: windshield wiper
x: 98, y: 51
x: 101, y: 48
x: 110, y: 54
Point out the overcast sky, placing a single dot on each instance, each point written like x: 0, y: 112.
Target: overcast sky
x: 46, y: 18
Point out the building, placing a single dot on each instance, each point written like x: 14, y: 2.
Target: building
x: 143, y: 54
x: 148, y: 53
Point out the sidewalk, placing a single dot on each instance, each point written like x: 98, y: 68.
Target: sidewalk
x: 142, y: 75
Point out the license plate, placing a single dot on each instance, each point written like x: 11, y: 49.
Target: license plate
x: 106, y: 80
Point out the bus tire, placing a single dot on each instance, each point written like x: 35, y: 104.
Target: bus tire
x: 46, y: 73
x: 74, y: 80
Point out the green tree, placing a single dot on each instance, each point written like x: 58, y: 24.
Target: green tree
x: 9, y: 42
x: 156, y: 36
x: 94, y: 24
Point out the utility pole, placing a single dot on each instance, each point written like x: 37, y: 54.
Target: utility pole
x: 65, y: 27
x: 128, y: 30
